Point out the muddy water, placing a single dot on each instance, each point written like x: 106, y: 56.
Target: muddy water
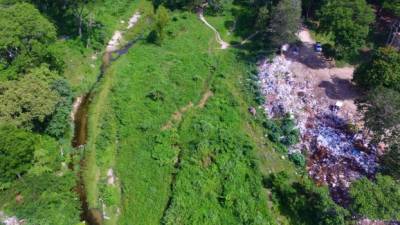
x: 91, y: 216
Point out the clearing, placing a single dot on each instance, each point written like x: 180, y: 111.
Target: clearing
x: 321, y: 98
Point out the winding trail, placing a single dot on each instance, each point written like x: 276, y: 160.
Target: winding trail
x: 224, y: 44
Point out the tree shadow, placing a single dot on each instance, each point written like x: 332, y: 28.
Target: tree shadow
x: 305, y: 54
x: 339, y: 89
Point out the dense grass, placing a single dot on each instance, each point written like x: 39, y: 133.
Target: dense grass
x: 164, y: 171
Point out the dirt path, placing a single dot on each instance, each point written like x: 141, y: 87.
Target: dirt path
x: 305, y: 36
x: 224, y: 45
x: 177, y: 116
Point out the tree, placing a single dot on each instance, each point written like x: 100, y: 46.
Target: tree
x: 28, y: 100
x: 376, y: 200
x: 303, y: 202
x: 390, y: 161
x: 285, y: 22
x: 383, y: 69
x: 348, y: 21
x: 58, y: 123
x: 263, y: 17
x: 311, y: 6
x: 24, y: 40
x: 382, y: 109
x: 392, y: 6
x: 16, y: 152
x: 161, y: 20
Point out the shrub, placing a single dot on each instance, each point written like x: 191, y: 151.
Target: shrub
x: 298, y: 159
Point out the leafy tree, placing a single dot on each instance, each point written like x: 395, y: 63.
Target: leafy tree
x: 24, y: 40
x: 16, y: 152
x: 382, y: 109
x: 48, y: 199
x: 263, y: 17
x: 383, y: 69
x: 161, y: 20
x: 311, y: 6
x: 303, y: 202
x: 392, y: 6
x: 58, y: 124
x: 285, y: 22
x: 348, y: 21
x: 298, y: 159
x: 28, y: 100
x: 390, y: 162
x: 376, y: 200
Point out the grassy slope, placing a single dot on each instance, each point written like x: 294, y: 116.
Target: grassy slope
x: 179, y: 71
x: 83, y: 64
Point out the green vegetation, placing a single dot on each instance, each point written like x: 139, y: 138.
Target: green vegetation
x: 44, y: 199
x: 171, y: 139
x: 285, y: 21
x: 348, y: 21
x: 161, y: 20
x: 26, y: 41
x: 382, y: 70
x: 377, y: 200
x: 303, y: 202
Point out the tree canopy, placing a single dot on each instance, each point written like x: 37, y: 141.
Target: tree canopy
x: 29, y: 99
x: 24, y: 40
x: 348, y: 21
x: 285, y: 21
x: 16, y: 152
x: 383, y: 69
x: 376, y: 200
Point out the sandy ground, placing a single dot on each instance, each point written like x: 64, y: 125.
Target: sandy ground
x: 330, y: 83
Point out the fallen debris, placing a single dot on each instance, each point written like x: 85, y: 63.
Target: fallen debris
x: 13, y: 220
x: 331, y: 128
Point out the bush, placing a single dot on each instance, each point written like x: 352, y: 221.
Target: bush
x: 298, y: 159
x: 376, y: 200
x: 304, y: 203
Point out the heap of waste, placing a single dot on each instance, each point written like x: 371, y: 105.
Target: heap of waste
x: 337, y: 153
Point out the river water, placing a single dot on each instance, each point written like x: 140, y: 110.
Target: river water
x: 89, y: 215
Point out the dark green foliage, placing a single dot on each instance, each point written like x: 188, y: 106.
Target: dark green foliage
x: 390, y: 161
x: 282, y: 131
x: 382, y: 106
x: 29, y: 100
x: 226, y: 188
x: 392, y: 6
x: 383, y: 69
x: 161, y: 18
x: 214, y: 6
x: 24, y: 43
x: 298, y: 159
x: 17, y: 149
x: 348, y: 21
x: 304, y: 203
x: 376, y: 200
x: 59, y: 123
x: 22, y: 151
x: 46, y: 200
x: 285, y: 21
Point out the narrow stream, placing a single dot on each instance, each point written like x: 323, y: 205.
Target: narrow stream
x: 91, y: 216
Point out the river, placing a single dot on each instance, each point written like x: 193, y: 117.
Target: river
x: 80, y: 119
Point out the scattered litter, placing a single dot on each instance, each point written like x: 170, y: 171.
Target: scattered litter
x: 337, y: 154
x: 110, y: 177
x: 13, y: 220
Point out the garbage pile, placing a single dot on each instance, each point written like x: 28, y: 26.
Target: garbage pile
x: 338, y: 151
x: 10, y: 220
